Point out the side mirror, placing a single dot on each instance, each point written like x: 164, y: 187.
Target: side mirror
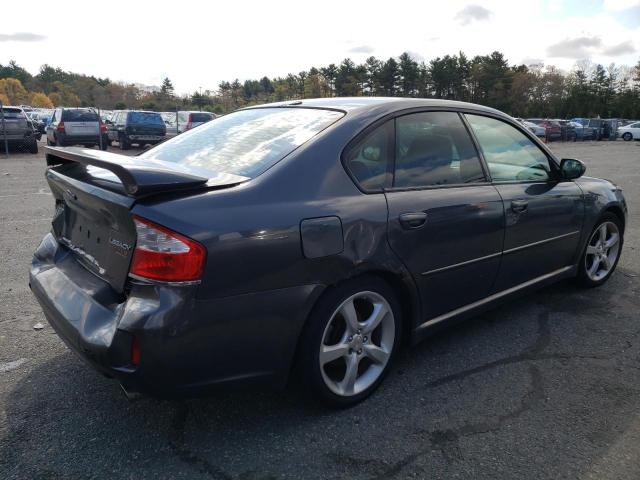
x: 572, y: 168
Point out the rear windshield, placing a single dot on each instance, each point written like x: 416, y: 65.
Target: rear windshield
x: 246, y: 142
x: 79, y: 116
x: 12, y: 113
x: 146, y: 117
x: 201, y: 117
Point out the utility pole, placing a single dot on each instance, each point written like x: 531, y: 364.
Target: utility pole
x: 4, y: 131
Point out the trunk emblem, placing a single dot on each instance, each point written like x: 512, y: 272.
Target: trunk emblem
x: 119, y: 246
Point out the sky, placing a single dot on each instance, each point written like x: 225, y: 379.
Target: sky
x: 198, y: 44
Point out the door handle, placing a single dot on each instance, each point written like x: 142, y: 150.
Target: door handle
x: 413, y: 220
x: 519, y: 205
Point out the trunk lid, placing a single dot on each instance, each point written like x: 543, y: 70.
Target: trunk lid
x: 94, y: 192
x: 15, y: 122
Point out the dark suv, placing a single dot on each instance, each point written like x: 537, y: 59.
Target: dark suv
x: 135, y: 126
x: 73, y: 126
x: 17, y: 129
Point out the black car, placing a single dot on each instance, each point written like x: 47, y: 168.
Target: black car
x: 136, y: 126
x: 315, y: 234
x: 76, y: 126
x: 17, y: 130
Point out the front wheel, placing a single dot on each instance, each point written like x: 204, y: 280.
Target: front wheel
x: 602, y: 252
x: 627, y: 136
x: 350, y: 340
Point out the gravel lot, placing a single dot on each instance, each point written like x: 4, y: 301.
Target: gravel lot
x: 545, y: 387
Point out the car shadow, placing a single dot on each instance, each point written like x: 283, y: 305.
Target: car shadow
x: 531, y: 382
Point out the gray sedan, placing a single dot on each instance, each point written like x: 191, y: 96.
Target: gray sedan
x: 309, y: 239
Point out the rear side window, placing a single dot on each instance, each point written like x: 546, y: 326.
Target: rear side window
x: 246, y: 142
x: 74, y: 115
x: 434, y: 148
x: 201, y: 117
x: 12, y: 113
x: 510, y: 154
x: 146, y: 118
x: 371, y: 159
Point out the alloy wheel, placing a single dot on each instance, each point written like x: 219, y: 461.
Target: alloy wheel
x: 602, y: 251
x: 357, y: 343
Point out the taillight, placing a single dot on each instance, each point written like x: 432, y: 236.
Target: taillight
x: 164, y: 255
x: 60, y: 127
x: 189, y: 123
x: 135, y: 351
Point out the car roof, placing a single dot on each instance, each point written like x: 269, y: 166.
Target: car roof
x: 362, y: 104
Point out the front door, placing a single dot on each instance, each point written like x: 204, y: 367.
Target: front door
x: 446, y: 221
x: 543, y: 214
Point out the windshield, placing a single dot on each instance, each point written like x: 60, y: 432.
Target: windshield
x: 246, y: 142
x: 145, y: 117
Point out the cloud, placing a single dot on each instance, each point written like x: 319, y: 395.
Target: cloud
x: 21, y: 37
x: 532, y: 61
x: 472, y: 13
x: 583, y: 47
x: 619, y: 49
x: 629, y: 17
x: 579, y: 47
x: 361, y: 49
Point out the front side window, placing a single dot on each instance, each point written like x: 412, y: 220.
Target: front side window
x: 509, y: 153
x: 246, y: 142
x: 370, y: 159
x: 434, y: 148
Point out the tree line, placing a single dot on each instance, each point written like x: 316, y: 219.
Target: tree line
x: 588, y: 90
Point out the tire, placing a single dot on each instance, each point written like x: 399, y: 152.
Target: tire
x: 104, y: 146
x: 32, y: 146
x: 50, y: 143
x: 59, y: 143
x: 124, y: 144
x: 369, y: 352
x: 627, y: 136
x: 592, y: 275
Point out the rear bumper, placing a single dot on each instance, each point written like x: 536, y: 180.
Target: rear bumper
x: 187, y: 345
x: 17, y: 137
x: 74, y: 139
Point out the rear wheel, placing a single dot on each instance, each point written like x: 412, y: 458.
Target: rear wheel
x: 627, y: 136
x: 602, y: 252
x: 59, y: 143
x: 124, y: 143
x: 32, y: 146
x: 50, y: 143
x: 350, y: 340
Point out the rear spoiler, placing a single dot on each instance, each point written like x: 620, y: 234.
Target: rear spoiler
x: 141, y: 177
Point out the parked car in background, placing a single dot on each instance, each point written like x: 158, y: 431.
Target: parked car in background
x: 38, y: 124
x: 136, y: 126
x: 630, y: 131
x: 17, y: 129
x: 76, y: 126
x: 581, y: 131
x: 190, y: 119
x: 170, y: 122
x: 552, y: 128
x: 320, y: 234
x: 537, y: 130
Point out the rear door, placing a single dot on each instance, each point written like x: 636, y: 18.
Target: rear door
x: 543, y: 214
x: 446, y: 221
x: 81, y: 123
